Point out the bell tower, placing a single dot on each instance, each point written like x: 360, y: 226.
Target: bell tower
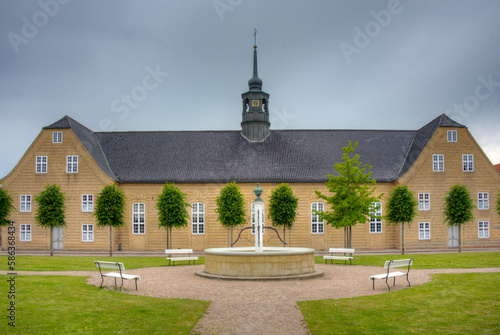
x: 255, y: 116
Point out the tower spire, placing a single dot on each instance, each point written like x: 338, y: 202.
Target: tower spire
x: 255, y: 83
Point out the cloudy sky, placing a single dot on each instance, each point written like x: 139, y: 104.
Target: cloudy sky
x: 182, y: 65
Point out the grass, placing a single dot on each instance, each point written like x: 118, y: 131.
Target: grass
x: 84, y: 263
x: 464, y: 260
x: 67, y: 305
x: 449, y: 304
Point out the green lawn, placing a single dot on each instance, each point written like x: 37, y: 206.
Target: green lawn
x: 84, y: 263
x: 449, y: 304
x: 462, y: 260
x: 67, y: 305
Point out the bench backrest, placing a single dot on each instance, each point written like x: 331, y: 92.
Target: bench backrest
x: 110, y: 265
x: 398, y: 263
x: 179, y: 251
x: 344, y: 250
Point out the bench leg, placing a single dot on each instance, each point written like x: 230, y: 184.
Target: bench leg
x: 136, y: 284
x: 386, y: 283
x: 102, y: 280
x: 408, y: 280
x: 115, y: 281
x: 373, y: 280
x: 121, y: 285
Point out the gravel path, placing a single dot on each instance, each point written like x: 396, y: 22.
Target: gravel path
x: 262, y: 307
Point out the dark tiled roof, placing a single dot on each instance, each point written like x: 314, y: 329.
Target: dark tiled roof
x: 224, y: 156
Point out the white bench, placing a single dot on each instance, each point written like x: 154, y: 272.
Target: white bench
x: 342, y: 251
x: 115, y: 266
x: 186, y: 252
x: 394, y: 264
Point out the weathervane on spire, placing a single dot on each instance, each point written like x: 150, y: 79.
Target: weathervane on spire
x: 255, y: 38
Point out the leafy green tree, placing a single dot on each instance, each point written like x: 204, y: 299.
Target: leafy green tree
x: 283, y: 207
x: 401, y: 208
x: 352, y: 195
x: 109, y: 210
x: 172, y: 212
x: 51, y: 209
x: 6, y: 207
x: 458, y: 208
x: 230, y: 207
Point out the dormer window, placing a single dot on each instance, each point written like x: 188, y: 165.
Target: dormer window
x: 452, y: 136
x: 57, y: 137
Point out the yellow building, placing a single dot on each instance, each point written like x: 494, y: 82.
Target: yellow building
x: 429, y: 160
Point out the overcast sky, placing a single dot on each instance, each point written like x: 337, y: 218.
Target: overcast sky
x: 182, y: 65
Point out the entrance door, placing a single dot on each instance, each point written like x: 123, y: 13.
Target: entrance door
x: 57, y: 238
x: 453, y: 236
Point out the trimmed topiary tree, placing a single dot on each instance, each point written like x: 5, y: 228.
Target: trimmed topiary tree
x: 283, y: 207
x: 172, y: 211
x: 401, y: 208
x: 50, y: 211
x: 230, y: 207
x: 109, y: 210
x: 6, y: 207
x: 457, y: 209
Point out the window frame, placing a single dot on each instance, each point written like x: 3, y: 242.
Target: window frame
x: 86, y: 203
x: 422, y: 230
x: 423, y: 201
x: 24, y: 203
x: 25, y: 234
x: 41, y: 164
x: 72, y: 164
x: 453, y: 137
x: 137, y: 215
x: 482, y: 200
x: 86, y: 232
x: 438, y: 163
x: 468, y: 162
x: 56, y: 138
x: 484, y: 229
x: 376, y: 223
x: 317, y: 226
x: 196, y: 215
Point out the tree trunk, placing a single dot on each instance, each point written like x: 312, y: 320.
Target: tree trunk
x: 170, y: 236
x: 110, y: 241
x: 403, y: 238
x: 459, y: 238
x: 51, y: 241
x: 231, y: 242
x: 284, y: 235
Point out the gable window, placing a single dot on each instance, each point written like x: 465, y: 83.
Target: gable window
x: 424, y: 201
x: 376, y: 222
x: 57, y: 137
x: 87, y: 233
x: 71, y: 164
x: 198, y: 218
x: 438, y: 163
x: 424, y: 230
x: 25, y: 203
x: 138, y: 218
x: 25, y: 230
x: 41, y: 164
x: 252, y: 214
x: 483, y: 201
x: 468, y: 163
x: 317, y: 224
x: 452, y: 135
x: 484, y: 229
x: 87, y: 203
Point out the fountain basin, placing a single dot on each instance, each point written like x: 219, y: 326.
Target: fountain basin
x: 271, y: 263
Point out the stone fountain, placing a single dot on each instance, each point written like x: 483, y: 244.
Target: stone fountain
x: 259, y: 262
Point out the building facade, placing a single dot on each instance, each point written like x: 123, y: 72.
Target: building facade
x: 429, y: 160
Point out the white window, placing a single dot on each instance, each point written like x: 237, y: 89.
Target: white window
x: 484, y: 229
x: 317, y: 224
x: 424, y: 230
x: 376, y: 223
x: 41, y: 164
x: 468, y: 163
x: 198, y: 218
x: 252, y: 214
x: 138, y: 218
x: 87, y: 233
x: 452, y: 135
x: 72, y: 164
x: 25, y: 203
x: 25, y: 232
x: 483, y: 200
x: 57, y: 137
x: 424, y: 201
x: 438, y: 163
x: 87, y: 203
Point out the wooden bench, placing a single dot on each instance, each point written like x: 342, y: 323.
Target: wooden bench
x: 342, y: 251
x: 394, y: 264
x: 186, y: 252
x: 115, y: 266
